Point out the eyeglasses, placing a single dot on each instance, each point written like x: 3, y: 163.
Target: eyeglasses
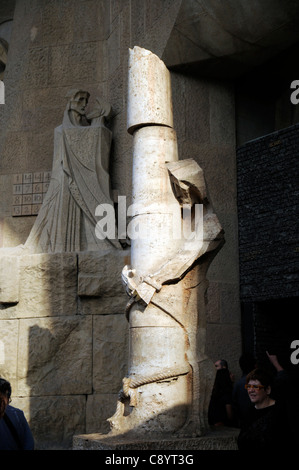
x: 255, y: 387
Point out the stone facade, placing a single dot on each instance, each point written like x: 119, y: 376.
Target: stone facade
x: 63, y: 329
x: 64, y: 341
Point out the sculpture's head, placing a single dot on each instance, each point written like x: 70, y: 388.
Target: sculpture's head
x: 76, y: 106
x: 78, y: 100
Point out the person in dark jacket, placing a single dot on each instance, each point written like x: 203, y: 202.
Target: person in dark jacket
x: 241, y: 402
x: 220, y: 407
x: 15, y: 433
x: 266, y: 428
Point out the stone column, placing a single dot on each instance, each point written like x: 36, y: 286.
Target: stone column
x: 167, y: 365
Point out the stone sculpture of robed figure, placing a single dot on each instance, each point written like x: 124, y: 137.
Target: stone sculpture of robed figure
x: 80, y: 182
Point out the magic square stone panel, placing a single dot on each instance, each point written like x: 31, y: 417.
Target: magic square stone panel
x: 28, y: 191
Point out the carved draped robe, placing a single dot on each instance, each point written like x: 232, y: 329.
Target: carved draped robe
x: 79, y: 183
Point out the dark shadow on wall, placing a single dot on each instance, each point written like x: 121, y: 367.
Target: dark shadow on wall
x: 71, y: 342
x: 58, y: 343
x: 57, y: 410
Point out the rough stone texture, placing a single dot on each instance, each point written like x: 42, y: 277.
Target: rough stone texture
x: 100, y: 406
x: 9, y: 350
x: 169, y: 377
x: 267, y: 183
x: 110, y: 348
x: 48, y: 285
x: 9, y: 279
x: 220, y: 338
x: 59, y: 355
x: 226, y: 39
x: 99, y: 288
x: 79, y: 184
x: 148, y: 105
x: 225, y: 439
x: 53, y: 419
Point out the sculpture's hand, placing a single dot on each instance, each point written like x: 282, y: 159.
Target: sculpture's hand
x: 138, y: 288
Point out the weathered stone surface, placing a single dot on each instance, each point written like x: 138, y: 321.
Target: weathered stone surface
x: 154, y: 202
x: 148, y: 104
x: 9, y: 279
x: 48, y: 285
x: 55, y: 356
x: 79, y: 184
x: 99, y: 288
x: 9, y: 350
x: 208, y: 36
x: 219, y: 341
x: 102, y: 305
x: 99, y: 272
x: 53, y: 419
x: 110, y: 352
x: 213, y: 299
x: 223, y: 439
x: 98, y: 409
x: 52, y: 284
x: 164, y: 392
x: 15, y: 230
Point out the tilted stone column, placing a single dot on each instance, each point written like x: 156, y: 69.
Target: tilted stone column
x: 175, y: 235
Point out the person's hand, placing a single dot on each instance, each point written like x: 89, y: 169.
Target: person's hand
x: 274, y: 361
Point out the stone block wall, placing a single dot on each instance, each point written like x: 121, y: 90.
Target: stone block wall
x: 267, y: 191
x: 64, y: 343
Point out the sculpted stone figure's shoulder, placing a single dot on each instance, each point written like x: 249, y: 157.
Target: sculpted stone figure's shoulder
x: 75, y: 113
x: 101, y: 112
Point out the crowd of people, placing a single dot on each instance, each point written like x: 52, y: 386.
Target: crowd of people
x: 263, y: 405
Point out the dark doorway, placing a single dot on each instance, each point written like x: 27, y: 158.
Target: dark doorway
x: 276, y: 324
x: 272, y: 326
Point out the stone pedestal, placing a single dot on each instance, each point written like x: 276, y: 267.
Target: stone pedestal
x: 218, y: 439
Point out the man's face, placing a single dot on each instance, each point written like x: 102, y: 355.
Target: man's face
x: 257, y: 392
x: 218, y: 365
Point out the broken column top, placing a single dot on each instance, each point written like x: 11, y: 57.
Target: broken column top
x: 149, y: 91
